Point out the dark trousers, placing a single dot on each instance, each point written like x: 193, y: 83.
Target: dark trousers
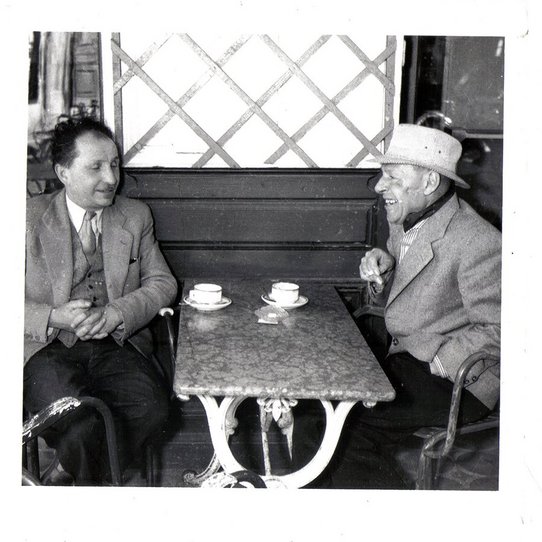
x: 120, y: 376
x: 363, y: 457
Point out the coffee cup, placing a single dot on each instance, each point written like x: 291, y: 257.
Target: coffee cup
x: 285, y: 293
x: 207, y: 294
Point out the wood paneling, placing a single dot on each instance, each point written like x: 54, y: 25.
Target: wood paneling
x: 149, y: 183
x: 277, y: 224
x: 296, y: 262
x: 261, y: 221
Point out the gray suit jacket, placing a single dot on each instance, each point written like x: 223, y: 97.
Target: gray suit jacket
x: 137, y: 277
x: 445, y: 296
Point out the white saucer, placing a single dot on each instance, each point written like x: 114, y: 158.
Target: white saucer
x: 301, y: 300
x: 208, y: 307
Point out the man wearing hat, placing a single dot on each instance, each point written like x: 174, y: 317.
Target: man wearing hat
x: 440, y: 283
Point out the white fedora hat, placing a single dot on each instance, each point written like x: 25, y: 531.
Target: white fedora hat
x: 426, y: 147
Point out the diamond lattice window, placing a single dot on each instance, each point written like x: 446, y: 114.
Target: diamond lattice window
x: 255, y: 101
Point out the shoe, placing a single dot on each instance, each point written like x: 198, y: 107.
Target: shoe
x: 55, y: 475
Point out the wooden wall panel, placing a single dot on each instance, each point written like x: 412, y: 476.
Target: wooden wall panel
x: 278, y: 264
x: 150, y: 183
x: 261, y: 221
x: 276, y: 224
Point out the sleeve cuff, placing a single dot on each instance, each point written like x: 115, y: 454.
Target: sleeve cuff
x: 119, y: 332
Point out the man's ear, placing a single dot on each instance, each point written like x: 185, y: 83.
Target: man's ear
x: 432, y: 182
x: 61, y: 173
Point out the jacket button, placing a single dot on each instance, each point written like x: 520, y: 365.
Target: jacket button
x: 395, y: 342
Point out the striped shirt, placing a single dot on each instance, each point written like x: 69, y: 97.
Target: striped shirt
x: 409, y: 237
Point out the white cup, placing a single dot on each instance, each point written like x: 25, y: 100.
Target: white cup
x: 285, y: 293
x: 207, y: 294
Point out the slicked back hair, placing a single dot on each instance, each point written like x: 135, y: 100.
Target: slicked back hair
x: 63, y: 143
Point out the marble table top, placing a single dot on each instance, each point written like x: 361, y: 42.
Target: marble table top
x: 317, y: 352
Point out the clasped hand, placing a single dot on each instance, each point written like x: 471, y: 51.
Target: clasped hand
x: 86, y: 321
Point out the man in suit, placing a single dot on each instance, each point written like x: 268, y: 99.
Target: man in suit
x: 439, y: 280
x: 95, y: 277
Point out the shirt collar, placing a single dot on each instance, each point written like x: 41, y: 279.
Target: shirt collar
x: 78, y: 213
x: 413, y: 218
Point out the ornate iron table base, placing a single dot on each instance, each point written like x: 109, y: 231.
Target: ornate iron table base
x: 222, y: 424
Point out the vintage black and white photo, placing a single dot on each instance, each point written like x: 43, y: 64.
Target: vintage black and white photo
x: 272, y: 258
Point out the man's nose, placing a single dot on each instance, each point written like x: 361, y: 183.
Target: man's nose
x: 380, y: 186
x: 110, y: 176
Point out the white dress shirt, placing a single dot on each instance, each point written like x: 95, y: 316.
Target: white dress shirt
x: 77, y: 215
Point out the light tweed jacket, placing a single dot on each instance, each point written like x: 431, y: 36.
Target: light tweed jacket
x: 137, y: 277
x: 445, y: 296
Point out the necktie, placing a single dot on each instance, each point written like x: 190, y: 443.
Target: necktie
x: 86, y: 234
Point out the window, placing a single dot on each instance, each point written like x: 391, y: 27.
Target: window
x: 253, y: 101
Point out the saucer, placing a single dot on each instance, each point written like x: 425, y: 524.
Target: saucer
x: 208, y: 307
x: 301, y: 300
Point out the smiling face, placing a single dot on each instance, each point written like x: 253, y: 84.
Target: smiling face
x: 92, y: 178
x: 404, y: 189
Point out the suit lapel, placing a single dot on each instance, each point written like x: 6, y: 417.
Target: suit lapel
x: 421, y: 251
x: 55, y: 237
x: 116, y: 247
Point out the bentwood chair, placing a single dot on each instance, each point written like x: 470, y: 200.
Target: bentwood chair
x: 34, y: 427
x: 438, y: 442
